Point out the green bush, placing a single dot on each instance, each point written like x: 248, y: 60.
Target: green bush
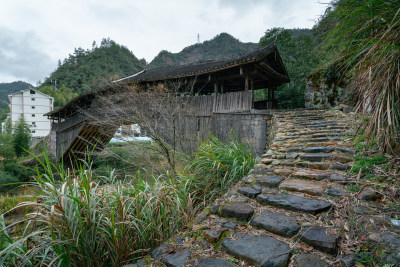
x: 217, y: 166
x: 7, y: 182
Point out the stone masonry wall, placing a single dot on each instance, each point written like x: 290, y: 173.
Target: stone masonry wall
x: 251, y: 127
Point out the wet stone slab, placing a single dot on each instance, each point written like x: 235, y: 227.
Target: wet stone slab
x: 296, y: 203
x: 177, y: 259
x: 309, y: 187
x: 250, y: 192
x: 336, y: 177
x: 319, y: 238
x: 276, y: 223
x: 270, y: 181
x: 319, y: 149
x: 346, y: 150
x: 241, y: 212
x: 336, y: 192
x: 315, y: 157
x: 294, y: 150
x: 340, y: 167
x: 309, y: 260
x: 259, y: 250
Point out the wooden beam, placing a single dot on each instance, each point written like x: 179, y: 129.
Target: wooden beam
x: 273, y: 72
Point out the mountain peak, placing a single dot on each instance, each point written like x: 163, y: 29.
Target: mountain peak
x: 222, y: 46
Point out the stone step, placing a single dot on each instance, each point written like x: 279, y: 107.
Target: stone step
x: 258, y: 250
x: 239, y: 211
x: 315, y: 157
x: 269, y: 181
x: 295, y: 203
x: 250, y: 192
x: 310, y: 174
x: 320, y: 238
x: 313, y: 165
x: 307, y: 260
x: 319, y: 149
x: 314, y: 188
x: 276, y: 223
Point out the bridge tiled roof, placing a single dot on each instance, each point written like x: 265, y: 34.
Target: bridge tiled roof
x: 180, y: 71
x: 267, y: 55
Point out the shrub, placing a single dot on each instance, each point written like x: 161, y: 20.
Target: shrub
x: 217, y: 166
x: 7, y: 182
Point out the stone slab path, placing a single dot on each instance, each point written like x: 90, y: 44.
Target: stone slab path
x: 284, y: 212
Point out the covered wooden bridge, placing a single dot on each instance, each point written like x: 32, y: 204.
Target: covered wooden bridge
x: 222, y: 93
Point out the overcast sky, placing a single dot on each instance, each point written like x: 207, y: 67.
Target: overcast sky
x: 35, y: 34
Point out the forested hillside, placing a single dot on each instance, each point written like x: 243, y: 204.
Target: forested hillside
x: 91, y: 69
x: 221, y: 46
x: 7, y: 89
x: 301, y: 53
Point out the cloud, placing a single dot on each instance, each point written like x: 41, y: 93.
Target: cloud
x: 35, y: 34
x: 21, y: 56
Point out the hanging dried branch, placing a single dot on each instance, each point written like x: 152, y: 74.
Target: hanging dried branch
x: 159, y: 110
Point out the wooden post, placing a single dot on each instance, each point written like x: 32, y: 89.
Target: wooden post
x: 215, y: 95
x: 192, y: 89
x: 269, y: 98
x: 222, y: 87
x: 273, y: 97
x: 246, y: 83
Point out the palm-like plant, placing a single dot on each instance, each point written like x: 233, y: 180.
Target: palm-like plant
x: 368, y: 37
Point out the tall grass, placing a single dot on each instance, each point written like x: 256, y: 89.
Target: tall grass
x: 80, y: 223
x: 368, y: 37
x: 81, y: 220
x: 217, y: 166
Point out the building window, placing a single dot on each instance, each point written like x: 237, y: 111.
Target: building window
x: 32, y: 92
x: 33, y: 99
x: 33, y: 124
x: 33, y: 115
x: 33, y: 131
x: 33, y: 107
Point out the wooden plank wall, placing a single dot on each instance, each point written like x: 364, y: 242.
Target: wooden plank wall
x: 197, y: 125
x: 233, y: 102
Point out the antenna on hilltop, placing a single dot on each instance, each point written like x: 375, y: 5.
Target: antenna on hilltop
x: 198, y: 38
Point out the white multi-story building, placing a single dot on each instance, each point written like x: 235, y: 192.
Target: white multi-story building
x: 32, y: 104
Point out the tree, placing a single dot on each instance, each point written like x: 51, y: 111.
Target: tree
x: 301, y: 53
x: 8, y: 126
x: 22, y: 137
x: 6, y: 146
x: 61, y: 96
